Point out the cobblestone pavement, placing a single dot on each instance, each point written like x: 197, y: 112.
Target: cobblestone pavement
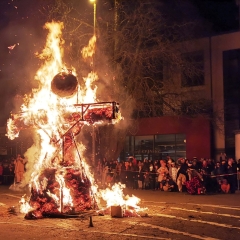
x: 169, y: 216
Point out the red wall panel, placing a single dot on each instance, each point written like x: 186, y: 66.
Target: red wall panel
x: 197, y: 130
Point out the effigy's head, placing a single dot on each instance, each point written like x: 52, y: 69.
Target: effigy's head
x: 64, y: 84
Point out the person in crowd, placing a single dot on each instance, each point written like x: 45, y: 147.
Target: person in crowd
x: 140, y: 177
x: 210, y: 164
x: 206, y: 169
x: 169, y: 185
x: 195, y: 164
x: 19, y: 168
x: 126, y: 165
x: 152, y: 177
x: 182, y: 175
x: 206, y: 172
x: 232, y: 171
x: 238, y: 165
x: 169, y: 162
x: 115, y: 163
x: 157, y: 184
x: 11, y: 168
x: 110, y: 165
x: 173, y: 172
x: 118, y: 172
x: 5, y: 166
x: 145, y: 166
x: 104, y: 174
x: 123, y: 175
x: 146, y: 181
x: 223, y: 157
x: 218, y: 171
x: 162, y: 173
x: 225, y: 186
x: 135, y: 175
x: 130, y: 175
x: 238, y: 173
x: 156, y: 163
x: 109, y: 179
x: 224, y: 166
x: 195, y: 183
x: 189, y: 163
x: 134, y: 162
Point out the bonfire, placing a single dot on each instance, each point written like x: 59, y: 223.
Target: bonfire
x: 61, y: 181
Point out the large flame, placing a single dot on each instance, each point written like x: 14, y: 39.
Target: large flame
x: 46, y: 112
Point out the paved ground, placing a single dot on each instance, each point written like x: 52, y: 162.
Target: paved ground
x: 169, y: 216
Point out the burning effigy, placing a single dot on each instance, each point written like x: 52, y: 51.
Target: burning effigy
x: 60, y: 179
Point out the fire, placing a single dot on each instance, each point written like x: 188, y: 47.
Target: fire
x: 89, y: 50
x: 115, y: 197
x: 24, y: 205
x: 60, y: 179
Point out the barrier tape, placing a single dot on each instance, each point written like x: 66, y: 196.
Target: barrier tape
x: 213, y: 176
x: 222, y: 175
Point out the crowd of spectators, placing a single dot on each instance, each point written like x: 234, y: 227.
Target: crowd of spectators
x: 7, y: 171
x: 12, y: 170
x: 195, y: 176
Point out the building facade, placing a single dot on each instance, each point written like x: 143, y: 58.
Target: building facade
x: 219, y: 58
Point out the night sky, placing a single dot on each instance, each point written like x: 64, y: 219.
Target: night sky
x: 21, y: 27
x: 221, y: 15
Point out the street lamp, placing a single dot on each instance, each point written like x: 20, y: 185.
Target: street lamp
x: 93, y: 128
x: 94, y: 16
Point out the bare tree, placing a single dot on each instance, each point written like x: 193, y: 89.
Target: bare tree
x: 148, y: 56
x: 140, y: 58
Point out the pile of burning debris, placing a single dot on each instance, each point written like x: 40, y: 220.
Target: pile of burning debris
x: 51, y: 201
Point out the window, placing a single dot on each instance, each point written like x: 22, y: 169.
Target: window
x: 128, y: 148
x: 187, y: 108
x: 173, y: 145
x: 193, y: 69
x: 155, y: 147
x: 143, y: 147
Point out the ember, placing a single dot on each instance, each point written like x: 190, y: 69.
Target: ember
x: 51, y: 201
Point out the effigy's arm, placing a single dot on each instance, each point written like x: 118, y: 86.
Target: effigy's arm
x: 98, y: 112
x: 89, y: 113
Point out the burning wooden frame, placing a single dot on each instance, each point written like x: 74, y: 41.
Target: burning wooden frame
x: 65, y: 189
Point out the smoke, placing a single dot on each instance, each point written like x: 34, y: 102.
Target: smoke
x: 21, y: 36
x: 110, y: 88
x: 32, y: 157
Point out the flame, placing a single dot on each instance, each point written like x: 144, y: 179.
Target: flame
x: 65, y: 197
x: 114, y: 196
x: 24, y: 205
x: 46, y: 113
x: 89, y: 50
